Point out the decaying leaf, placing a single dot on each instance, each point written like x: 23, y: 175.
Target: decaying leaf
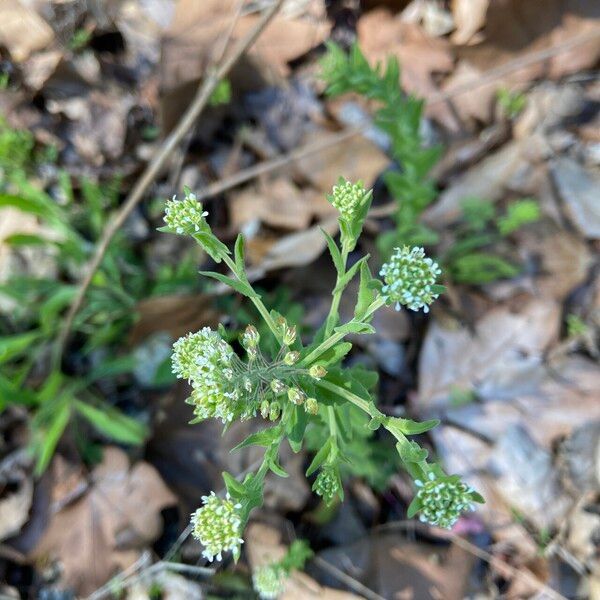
x: 263, y: 544
x: 102, y: 531
x: 16, y: 493
x: 469, y: 18
x: 22, y: 30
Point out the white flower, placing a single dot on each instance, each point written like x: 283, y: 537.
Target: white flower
x: 206, y: 360
x: 185, y: 216
x: 217, y: 525
x: 347, y: 197
x: 268, y: 581
x: 409, y: 278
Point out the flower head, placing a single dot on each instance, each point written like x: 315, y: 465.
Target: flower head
x: 409, y: 278
x: 185, y: 216
x: 268, y: 581
x: 347, y: 197
x: 217, y: 525
x: 441, y: 500
x: 207, y: 361
x: 327, y: 483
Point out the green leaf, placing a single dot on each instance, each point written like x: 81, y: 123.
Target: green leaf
x: 319, y: 458
x: 297, y: 427
x: 477, y: 497
x: 263, y: 438
x: 409, y: 427
x: 411, y: 452
x: 347, y: 277
x: 277, y: 469
x: 239, y: 286
x: 336, y: 255
x: 236, y: 489
x: 414, y: 507
x: 239, y: 253
x: 12, y: 346
x: 366, y: 293
x: 211, y: 244
x: 333, y: 355
x: 51, y: 435
x: 113, y: 423
x: 354, y: 327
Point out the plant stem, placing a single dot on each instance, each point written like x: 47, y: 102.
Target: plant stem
x: 332, y: 317
x: 363, y: 404
x: 337, y: 336
x: 258, y: 303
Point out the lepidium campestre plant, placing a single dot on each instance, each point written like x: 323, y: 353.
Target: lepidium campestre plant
x: 299, y: 383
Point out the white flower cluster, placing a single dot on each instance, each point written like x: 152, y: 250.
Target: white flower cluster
x: 206, y: 361
x: 217, y: 525
x: 185, y: 216
x: 409, y: 277
x: 347, y: 198
x: 268, y: 581
x: 443, y: 500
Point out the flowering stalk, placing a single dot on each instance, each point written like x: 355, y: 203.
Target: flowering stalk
x: 299, y: 383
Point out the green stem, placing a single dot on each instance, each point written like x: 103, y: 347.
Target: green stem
x: 258, y: 303
x: 333, y: 317
x: 337, y: 336
x: 363, y: 404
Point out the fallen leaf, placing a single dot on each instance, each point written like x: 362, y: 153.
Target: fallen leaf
x: 16, y: 486
x: 22, y: 30
x: 176, y: 314
x: 278, y: 203
x: 359, y: 159
x: 263, y: 545
x: 381, y: 34
x: 578, y: 189
x: 102, y: 531
x: 469, y: 18
x: 431, y: 15
x: 501, y: 353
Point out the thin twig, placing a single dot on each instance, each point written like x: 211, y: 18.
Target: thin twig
x: 346, y: 579
x: 154, y: 167
x: 337, y: 138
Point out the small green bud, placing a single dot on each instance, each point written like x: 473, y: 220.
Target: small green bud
x: 296, y: 396
x: 264, y: 409
x: 250, y: 337
x: 317, y: 372
x: 348, y: 197
x: 327, y: 483
x: 275, y: 411
x: 289, y: 335
x: 291, y: 357
x: 311, y: 406
x: 269, y: 581
x: 185, y: 216
x: 278, y: 386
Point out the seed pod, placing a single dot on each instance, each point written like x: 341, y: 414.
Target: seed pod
x: 317, y: 372
x: 278, y: 386
x: 264, y: 409
x: 291, y: 358
x: 275, y: 411
x: 296, y: 396
x: 311, y: 406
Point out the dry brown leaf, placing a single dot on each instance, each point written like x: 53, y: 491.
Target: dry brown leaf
x: 431, y: 15
x: 263, y: 545
x: 278, y: 203
x: 359, y: 159
x: 297, y: 249
x: 514, y: 28
x: 488, y: 179
x: 502, y: 352
x: 381, y: 34
x: 579, y: 190
x: 176, y: 314
x: 469, y: 18
x: 197, y: 34
x: 22, y: 30
x: 17, y: 493
x: 102, y: 531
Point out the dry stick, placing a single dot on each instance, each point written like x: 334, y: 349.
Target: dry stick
x: 337, y: 138
x: 152, y: 170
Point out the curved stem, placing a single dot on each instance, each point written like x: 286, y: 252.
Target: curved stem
x: 258, y: 303
x: 333, y: 317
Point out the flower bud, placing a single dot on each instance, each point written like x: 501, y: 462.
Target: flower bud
x: 291, y: 357
x: 317, y: 372
x: 289, y: 335
x: 278, y: 386
x: 185, y: 216
x: 296, y: 396
x: 268, y: 581
x: 327, y: 483
x: 275, y: 411
x: 348, y: 197
x: 250, y: 337
x: 311, y: 406
x: 264, y: 409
